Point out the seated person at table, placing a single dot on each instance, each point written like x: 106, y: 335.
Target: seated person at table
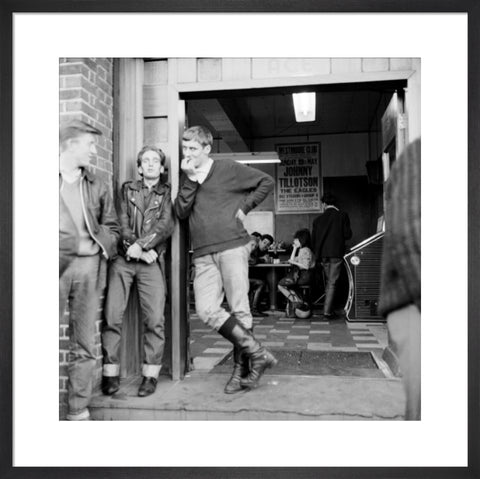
x: 303, y: 262
x: 255, y: 238
x: 259, y: 254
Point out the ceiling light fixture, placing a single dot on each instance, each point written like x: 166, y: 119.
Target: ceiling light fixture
x: 253, y: 157
x: 304, y: 106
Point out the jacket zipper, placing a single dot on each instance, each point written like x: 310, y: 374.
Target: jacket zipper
x: 160, y: 206
x: 144, y: 215
x: 155, y: 207
x: 105, y: 254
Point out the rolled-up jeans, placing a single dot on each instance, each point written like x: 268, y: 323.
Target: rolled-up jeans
x: 81, y: 286
x: 332, y: 268
x: 151, y: 290
x: 218, y: 275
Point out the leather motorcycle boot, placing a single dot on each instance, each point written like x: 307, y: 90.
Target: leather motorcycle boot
x: 240, y: 370
x: 259, y: 358
x: 110, y: 385
x: 259, y: 361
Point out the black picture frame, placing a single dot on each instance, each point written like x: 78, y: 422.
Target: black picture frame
x: 8, y: 7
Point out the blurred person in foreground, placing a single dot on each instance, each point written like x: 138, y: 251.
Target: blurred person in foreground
x: 400, y: 292
x: 89, y: 231
x: 216, y: 196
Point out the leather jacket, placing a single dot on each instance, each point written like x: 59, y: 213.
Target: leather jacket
x: 100, y: 218
x: 148, y: 225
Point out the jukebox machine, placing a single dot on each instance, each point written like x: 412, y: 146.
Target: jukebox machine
x: 363, y: 267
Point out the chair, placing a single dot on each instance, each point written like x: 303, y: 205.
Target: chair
x: 305, y: 292
x: 296, y: 309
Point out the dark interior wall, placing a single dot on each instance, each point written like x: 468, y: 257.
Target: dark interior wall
x: 375, y: 135
x: 343, y: 166
x: 287, y: 225
x: 356, y: 196
x: 343, y: 160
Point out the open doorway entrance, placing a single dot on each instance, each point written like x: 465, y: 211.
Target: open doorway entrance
x: 348, y: 132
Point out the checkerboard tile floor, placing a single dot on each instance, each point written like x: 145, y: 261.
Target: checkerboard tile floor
x: 208, y: 348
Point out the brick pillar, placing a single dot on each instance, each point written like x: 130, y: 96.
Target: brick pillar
x: 86, y: 93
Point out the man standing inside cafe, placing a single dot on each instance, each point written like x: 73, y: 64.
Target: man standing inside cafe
x: 216, y: 196
x: 329, y: 232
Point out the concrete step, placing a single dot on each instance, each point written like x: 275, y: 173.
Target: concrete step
x: 200, y: 396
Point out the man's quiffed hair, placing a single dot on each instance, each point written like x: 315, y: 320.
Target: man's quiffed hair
x: 268, y: 237
x: 146, y: 148
x: 329, y: 199
x: 74, y: 128
x: 199, y: 134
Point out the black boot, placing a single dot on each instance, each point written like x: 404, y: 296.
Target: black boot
x: 240, y: 370
x: 110, y: 385
x: 259, y: 361
x: 259, y: 357
x: 148, y: 386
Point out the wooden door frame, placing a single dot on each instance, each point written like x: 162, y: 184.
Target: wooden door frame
x: 179, y: 246
x: 176, y: 120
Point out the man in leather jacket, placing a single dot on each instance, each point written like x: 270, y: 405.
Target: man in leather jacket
x: 89, y: 232
x: 146, y: 218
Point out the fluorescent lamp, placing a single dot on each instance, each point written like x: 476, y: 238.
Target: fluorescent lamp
x: 254, y: 157
x: 304, y: 106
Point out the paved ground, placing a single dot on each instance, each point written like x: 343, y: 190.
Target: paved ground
x: 281, y: 396
x: 208, y: 348
x: 200, y: 397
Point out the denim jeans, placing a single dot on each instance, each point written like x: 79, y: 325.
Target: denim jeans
x: 218, y: 275
x: 81, y: 287
x: 332, y: 268
x: 151, y: 290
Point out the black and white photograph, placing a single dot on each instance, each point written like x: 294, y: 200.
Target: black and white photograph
x: 263, y: 263
x: 250, y: 207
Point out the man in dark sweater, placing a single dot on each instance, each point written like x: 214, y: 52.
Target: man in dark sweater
x: 216, y: 197
x: 329, y: 233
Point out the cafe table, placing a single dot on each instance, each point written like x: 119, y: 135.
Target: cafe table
x: 274, y: 272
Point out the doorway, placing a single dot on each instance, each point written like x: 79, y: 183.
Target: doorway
x: 348, y: 128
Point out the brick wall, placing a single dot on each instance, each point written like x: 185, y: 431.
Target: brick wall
x: 86, y: 93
